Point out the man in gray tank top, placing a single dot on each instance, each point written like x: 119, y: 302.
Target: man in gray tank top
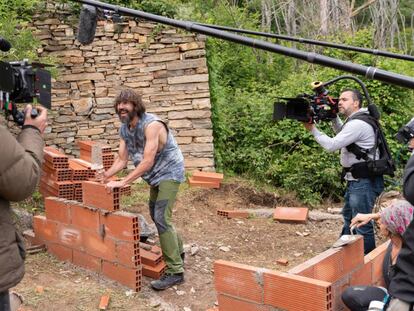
x: 148, y: 142
x: 361, y: 193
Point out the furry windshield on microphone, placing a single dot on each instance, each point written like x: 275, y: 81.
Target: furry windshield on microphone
x: 87, y: 24
x: 4, y: 45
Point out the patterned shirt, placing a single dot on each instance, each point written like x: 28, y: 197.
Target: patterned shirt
x: 168, y: 163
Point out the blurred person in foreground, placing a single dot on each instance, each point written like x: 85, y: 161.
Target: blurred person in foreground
x: 20, y: 169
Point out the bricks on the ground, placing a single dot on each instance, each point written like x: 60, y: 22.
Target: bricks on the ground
x: 96, y: 195
x: 204, y: 184
x: 291, y: 214
x: 104, y: 302
x: 207, y: 176
x: 154, y: 272
x: 150, y: 258
x: 233, y: 213
x: 282, y: 261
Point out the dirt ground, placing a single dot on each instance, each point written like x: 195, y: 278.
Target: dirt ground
x: 259, y: 241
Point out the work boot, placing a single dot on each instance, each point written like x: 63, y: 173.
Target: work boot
x: 168, y: 280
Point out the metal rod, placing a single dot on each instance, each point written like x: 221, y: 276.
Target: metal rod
x: 314, y: 42
x: 368, y: 72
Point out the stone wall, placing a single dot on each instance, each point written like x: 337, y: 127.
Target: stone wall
x: 166, y: 65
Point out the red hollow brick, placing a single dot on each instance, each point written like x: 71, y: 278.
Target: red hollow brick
x: 291, y: 214
x: 45, y: 230
x: 130, y: 277
x: 121, y: 225
x: 70, y: 236
x: 95, y: 194
x: 353, y: 254
x: 207, y: 176
x: 57, y: 209
x: 203, y: 184
x: 128, y: 254
x: 84, y: 217
x: 238, y: 280
x: 228, y: 303
x: 150, y: 258
x: 154, y: 272
x: 362, y: 276
x: 97, y: 246
x: 61, y: 252
x: 87, y: 261
x: 296, y: 293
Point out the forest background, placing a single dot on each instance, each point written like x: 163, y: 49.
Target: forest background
x: 245, y: 82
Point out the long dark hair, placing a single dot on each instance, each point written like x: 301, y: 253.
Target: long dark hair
x: 129, y: 95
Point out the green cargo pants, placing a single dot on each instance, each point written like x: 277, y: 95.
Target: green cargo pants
x: 161, y: 203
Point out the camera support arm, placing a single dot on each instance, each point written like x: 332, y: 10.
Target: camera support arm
x: 369, y: 72
x: 364, y: 88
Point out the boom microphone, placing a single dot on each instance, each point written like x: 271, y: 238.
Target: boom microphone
x: 4, y: 45
x: 87, y: 24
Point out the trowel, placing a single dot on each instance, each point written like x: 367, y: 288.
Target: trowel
x: 345, y: 239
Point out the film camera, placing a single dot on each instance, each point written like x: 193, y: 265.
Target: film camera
x: 21, y: 82
x: 308, y: 108
x: 406, y: 132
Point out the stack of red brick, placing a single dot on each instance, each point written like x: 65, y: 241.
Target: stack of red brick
x: 62, y: 177
x: 205, y: 179
x: 315, y: 285
x: 93, y: 234
x: 153, y: 264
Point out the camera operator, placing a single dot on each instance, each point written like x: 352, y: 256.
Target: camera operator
x: 401, y: 286
x: 361, y: 193
x: 20, y: 169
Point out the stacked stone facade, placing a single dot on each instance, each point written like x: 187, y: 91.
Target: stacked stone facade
x: 165, y: 65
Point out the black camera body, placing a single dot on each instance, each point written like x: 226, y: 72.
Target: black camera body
x: 21, y: 82
x: 307, y: 108
x: 405, y: 133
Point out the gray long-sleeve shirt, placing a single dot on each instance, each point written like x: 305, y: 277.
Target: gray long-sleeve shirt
x: 354, y: 131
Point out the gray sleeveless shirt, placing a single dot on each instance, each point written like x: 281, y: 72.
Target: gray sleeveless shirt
x: 168, y: 163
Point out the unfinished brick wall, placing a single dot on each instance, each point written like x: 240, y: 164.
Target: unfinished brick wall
x: 315, y: 285
x: 93, y: 236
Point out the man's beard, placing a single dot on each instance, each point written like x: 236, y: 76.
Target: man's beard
x: 126, y: 119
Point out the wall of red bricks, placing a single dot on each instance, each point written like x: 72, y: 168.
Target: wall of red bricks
x: 315, y: 285
x: 92, y: 237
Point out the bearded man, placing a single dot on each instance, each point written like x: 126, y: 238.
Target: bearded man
x: 149, y: 143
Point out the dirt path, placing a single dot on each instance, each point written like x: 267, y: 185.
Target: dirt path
x: 255, y: 241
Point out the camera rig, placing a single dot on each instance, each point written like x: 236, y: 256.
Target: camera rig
x: 316, y: 107
x: 21, y: 82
